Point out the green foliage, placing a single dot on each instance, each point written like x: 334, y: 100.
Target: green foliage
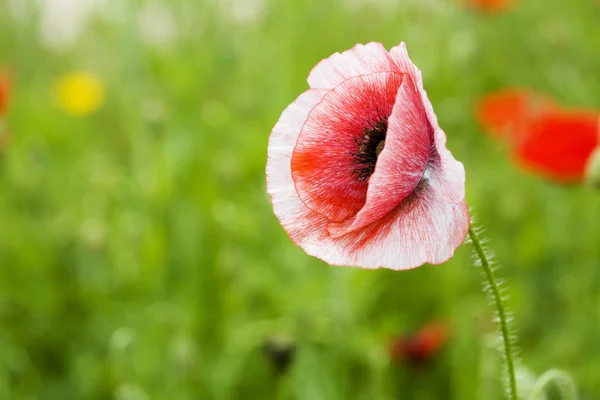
x: 140, y: 258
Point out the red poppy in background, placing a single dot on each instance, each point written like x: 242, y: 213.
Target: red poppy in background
x: 358, y: 171
x: 490, y: 6
x: 422, y: 345
x: 558, y: 145
x: 4, y: 98
x: 506, y: 114
x: 4, y: 92
x: 544, y: 138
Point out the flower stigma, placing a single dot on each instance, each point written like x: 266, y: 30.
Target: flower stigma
x: 369, y: 145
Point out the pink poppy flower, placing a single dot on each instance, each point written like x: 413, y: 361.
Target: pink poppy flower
x: 358, y: 171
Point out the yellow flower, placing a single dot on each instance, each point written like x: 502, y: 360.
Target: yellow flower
x: 79, y: 93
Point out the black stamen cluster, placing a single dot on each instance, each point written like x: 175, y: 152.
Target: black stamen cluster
x: 369, y: 145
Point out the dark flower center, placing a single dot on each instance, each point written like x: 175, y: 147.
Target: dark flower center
x: 369, y: 146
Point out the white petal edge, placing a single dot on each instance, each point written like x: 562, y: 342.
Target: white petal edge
x: 359, y: 60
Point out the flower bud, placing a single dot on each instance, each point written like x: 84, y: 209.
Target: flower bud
x: 592, y: 175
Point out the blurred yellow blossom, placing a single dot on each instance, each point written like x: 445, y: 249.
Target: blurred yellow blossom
x: 79, y: 93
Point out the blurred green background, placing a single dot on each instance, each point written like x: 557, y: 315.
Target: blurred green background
x: 140, y: 258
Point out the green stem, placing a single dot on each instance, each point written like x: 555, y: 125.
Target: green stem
x: 562, y: 380
x: 495, y: 291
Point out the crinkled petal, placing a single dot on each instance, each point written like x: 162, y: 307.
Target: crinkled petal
x: 403, y: 63
x: 421, y: 230
x: 401, y: 164
x: 323, y: 164
x: 359, y: 60
x: 453, y: 171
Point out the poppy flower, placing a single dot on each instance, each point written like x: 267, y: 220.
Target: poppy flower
x: 544, y: 138
x: 420, y: 346
x: 506, y: 114
x: 4, y: 99
x: 358, y: 171
x: 79, y: 93
x: 559, y: 145
x: 490, y: 6
x: 4, y: 92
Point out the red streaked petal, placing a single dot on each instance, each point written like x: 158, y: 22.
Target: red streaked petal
x: 403, y: 63
x: 558, y: 145
x: 453, y: 171
x: 322, y: 162
x: 506, y: 114
x: 400, y: 165
x: 359, y: 60
x: 420, y: 230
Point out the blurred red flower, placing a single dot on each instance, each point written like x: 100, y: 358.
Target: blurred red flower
x: 543, y: 137
x: 490, y: 6
x: 507, y: 113
x: 420, y: 346
x: 4, y: 98
x: 4, y: 92
x: 558, y: 145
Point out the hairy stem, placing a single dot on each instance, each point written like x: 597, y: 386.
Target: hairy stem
x: 499, y: 303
